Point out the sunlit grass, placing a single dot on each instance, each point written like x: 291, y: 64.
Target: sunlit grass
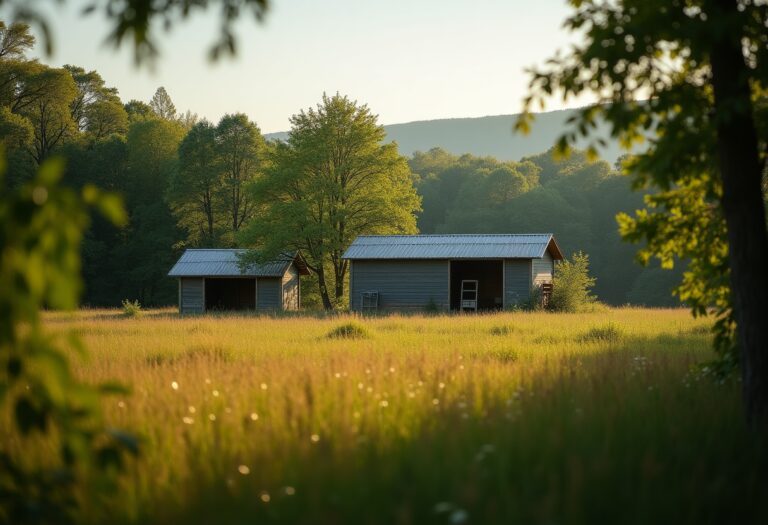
x: 503, y: 418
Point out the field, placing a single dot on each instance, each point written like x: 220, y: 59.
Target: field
x: 503, y: 418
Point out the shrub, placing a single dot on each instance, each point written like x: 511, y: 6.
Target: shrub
x: 609, y: 333
x: 431, y: 307
x: 572, y: 284
x: 350, y: 330
x: 131, y: 308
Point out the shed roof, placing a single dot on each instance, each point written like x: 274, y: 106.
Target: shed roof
x: 456, y: 246
x: 224, y: 263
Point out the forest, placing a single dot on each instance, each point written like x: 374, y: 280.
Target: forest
x: 187, y: 182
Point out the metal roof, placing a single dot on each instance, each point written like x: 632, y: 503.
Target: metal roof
x: 469, y: 246
x: 224, y: 263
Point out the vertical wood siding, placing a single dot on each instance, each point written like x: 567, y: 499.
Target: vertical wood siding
x: 543, y: 269
x: 517, y: 281
x: 291, y: 289
x: 269, y: 293
x: 402, y: 285
x: 191, y: 295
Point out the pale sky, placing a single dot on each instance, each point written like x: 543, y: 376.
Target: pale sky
x: 408, y: 60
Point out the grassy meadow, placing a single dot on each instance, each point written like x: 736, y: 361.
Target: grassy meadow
x: 500, y: 418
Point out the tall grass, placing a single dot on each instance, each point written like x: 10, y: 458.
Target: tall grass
x: 504, y: 418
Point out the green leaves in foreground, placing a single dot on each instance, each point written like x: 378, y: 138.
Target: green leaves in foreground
x: 41, y: 227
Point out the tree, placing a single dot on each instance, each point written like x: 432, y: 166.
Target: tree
x: 572, y: 284
x: 38, y: 93
x: 240, y: 149
x: 331, y: 181
x: 138, y: 110
x: 194, y: 183
x: 162, y: 105
x: 148, y: 249
x: 15, y: 41
x: 49, y: 110
x: 699, y: 65
x: 96, y: 109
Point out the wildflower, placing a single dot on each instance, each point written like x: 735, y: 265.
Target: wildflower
x: 174, y: 385
x: 337, y: 375
x: 360, y: 386
x: 207, y: 381
x: 212, y: 417
x: 315, y: 438
x: 435, y: 401
x: 264, y: 496
x: 191, y: 409
x: 289, y: 491
x: 121, y: 404
x: 244, y: 470
x: 254, y: 416
x: 188, y: 420
x: 215, y: 393
x: 264, y: 386
x: 391, y: 370
x: 384, y: 404
x: 441, y: 386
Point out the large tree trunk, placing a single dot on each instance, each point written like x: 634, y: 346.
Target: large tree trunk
x: 324, y: 289
x: 743, y: 209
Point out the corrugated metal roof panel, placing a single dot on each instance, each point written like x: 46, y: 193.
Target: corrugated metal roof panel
x: 469, y: 246
x: 223, y: 263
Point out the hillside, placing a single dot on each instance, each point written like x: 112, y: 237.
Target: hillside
x: 484, y: 136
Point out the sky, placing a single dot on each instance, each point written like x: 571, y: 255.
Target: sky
x: 408, y: 60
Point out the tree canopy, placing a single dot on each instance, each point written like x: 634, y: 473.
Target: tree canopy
x: 332, y: 180
x: 690, y: 78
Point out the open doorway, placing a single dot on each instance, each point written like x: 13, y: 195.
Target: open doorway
x: 490, y: 282
x: 230, y: 294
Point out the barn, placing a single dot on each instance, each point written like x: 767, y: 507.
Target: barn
x: 212, y: 280
x: 449, y: 272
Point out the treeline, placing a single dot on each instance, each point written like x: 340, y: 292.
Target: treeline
x: 575, y: 198
x: 146, y: 151
x: 188, y: 182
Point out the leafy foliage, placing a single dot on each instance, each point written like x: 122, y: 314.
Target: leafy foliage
x: 41, y: 226
x: 330, y: 182
x: 572, y: 284
x: 137, y: 21
x: 131, y: 308
x: 655, y: 68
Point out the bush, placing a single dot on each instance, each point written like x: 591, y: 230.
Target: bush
x: 609, y: 333
x: 131, y: 308
x: 431, y: 307
x: 571, y: 286
x: 349, y: 331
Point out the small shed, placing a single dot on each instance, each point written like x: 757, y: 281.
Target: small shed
x: 212, y: 280
x: 449, y: 272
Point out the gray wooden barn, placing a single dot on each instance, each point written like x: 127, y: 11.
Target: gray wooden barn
x: 211, y: 280
x: 449, y: 272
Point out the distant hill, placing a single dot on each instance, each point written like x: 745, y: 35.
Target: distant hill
x: 486, y: 136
